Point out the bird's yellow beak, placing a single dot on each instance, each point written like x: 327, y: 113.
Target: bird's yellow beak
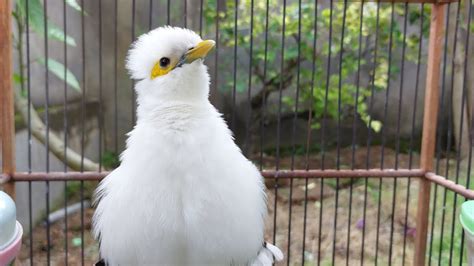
x: 200, y: 51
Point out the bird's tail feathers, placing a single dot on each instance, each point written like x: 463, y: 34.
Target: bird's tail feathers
x: 268, y: 255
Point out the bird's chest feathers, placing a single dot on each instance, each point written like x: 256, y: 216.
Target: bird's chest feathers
x: 176, y: 118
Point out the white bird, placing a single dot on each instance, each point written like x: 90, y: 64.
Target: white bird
x: 183, y: 194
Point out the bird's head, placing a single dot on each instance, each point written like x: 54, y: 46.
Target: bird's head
x: 168, y: 62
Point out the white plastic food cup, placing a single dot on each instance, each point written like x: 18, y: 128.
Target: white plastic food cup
x: 10, y: 230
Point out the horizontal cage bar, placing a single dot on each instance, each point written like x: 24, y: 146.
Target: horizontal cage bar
x: 358, y: 173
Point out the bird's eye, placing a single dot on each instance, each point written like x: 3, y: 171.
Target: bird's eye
x: 164, y: 62
x: 190, y: 48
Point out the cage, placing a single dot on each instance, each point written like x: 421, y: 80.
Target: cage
x: 358, y: 113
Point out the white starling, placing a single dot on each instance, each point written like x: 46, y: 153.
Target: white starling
x: 183, y: 194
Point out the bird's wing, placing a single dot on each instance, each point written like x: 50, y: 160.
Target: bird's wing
x: 267, y: 255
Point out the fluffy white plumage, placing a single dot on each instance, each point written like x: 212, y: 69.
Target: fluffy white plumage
x: 184, y: 194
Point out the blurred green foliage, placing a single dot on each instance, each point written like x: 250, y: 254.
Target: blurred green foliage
x: 31, y: 13
x: 110, y: 160
x: 299, y: 50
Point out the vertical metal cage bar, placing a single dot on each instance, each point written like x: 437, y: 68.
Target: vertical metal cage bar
x: 412, y: 135
x: 470, y: 130
x: 308, y: 130
x: 65, y: 139
x: 293, y: 132
x: 29, y: 139
x: 264, y: 103
x: 461, y: 124
x: 248, y: 141
x: 280, y: 95
x: 46, y: 73
x: 400, y: 103
x: 234, y: 88
x: 383, y: 133
x: 450, y: 129
x: 338, y: 129
x: 369, y: 132
x: 354, y: 129
x: 439, y: 131
x: 83, y: 113
x: 150, y: 15
x: 133, y: 98
x: 200, y: 16
x: 429, y: 128
x: 328, y: 80
x: 216, y: 57
x: 323, y: 129
x: 168, y: 12
x: 100, y: 117
x: 185, y: 3
x: 116, y: 148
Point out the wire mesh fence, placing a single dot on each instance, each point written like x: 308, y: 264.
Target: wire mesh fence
x: 326, y: 97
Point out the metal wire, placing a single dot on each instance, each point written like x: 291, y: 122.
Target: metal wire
x: 65, y: 128
x: 216, y: 57
x: 400, y: 103
x: 168, y: 12
x: 28, y: 75
x: 249, y: 90
x: 201, y: 9
x: 354, y: 130
x: 382, y: 154
x: 264, y: 103
x: 150, y: 16
x: 470, y: 130
x: 116, y: 149
x: 278, y: 133
x: 338, y: 133
x: 458, y: 153
x: 133, y: 81
x: 100, y: 118
x: 449, y: 133
x: 412, y: 135
x: 293, y: 132
x: 234, y: 88
x: 308, y: 129
x: 369, y: 132
x: 46, y: 56
x: 439, y: 131
x: 83, y: 111
x: 323, y: 128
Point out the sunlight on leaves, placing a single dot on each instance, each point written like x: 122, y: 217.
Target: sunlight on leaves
x: 36, y: 19
x: 59, y: 71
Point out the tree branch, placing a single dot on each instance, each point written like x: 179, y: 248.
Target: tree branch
x: 56, y: 145
x: 273, y: 85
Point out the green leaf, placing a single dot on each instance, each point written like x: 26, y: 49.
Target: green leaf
x: 58, y: 34
x: 376, y: 125
x: 110, y: 160
x: 17, y: 78
x: 76, y: 241
x: 36, y: 21
x: 74, y: 4
x: 58, y: 70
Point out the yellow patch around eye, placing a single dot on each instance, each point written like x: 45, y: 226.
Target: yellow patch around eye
x: 158, y: 71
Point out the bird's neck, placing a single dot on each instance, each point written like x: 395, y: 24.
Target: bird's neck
x: 149, y: 110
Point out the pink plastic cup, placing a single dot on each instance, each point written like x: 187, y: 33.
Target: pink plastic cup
x: 12, y: 249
